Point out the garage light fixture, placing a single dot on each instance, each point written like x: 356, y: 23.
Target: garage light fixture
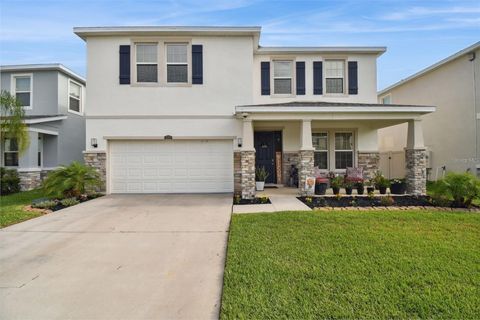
x: 93, y: 142
x: 239, y: 142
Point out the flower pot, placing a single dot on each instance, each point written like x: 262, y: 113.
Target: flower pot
x: 383, y: 190
x: 259, y: 185
x: 348, y: 191
x: 336, y: 190
x: 360, y: 189
x: 320, y: 188
x: 398, y: 188
x: 370, y: 189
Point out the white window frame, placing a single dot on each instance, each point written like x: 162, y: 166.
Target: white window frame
x: 188, y: 63
x: 327, y: 151
x: 344, y: 85
x: 4, y: 150
x: 135, y: 63
x: 80, y: 112
x: 386, y: 96
x: 292, y: 78
x: 13, y: 87
x: 342, y: 150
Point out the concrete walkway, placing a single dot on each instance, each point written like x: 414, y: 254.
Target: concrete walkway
x: 282, y: 199
x: 118, y: 257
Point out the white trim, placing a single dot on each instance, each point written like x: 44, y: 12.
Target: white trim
x: 188, y: 62
x: 35, y: 67
x: 94, y: 151
x: 437, y: 65
x: 173, y: 137
x: 46, y: 119
x: 80, y: 100
x: 300, y: 50
x: 344, y: 78
x: 50, y: 132
x: 334, y: 109
x: 292, y: 78
x: 35, y: 169
x: 157, y: 116
x: 13, y: 87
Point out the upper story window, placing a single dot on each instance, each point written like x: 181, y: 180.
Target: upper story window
x: 334, y: 76
x: 22, y: 87
x: 10, y: 153
x: 177, y: 62
x: 282, y: 77
x: 147, y: 62
x: 387, y: 99
x: 320, y: 144
x: 75, y: 97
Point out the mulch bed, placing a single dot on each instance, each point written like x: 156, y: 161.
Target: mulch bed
x: 59, y: 205
x: 263, y: 200
x: 365, y: 201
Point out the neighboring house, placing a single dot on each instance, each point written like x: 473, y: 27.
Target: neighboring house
x: 452, y: 133
x: 53, y: 99
x: 195, y: 109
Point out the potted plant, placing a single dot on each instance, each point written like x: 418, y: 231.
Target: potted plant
x: 261, y: 175
x: 360, y: 188
x: 321, y: 185
x: 370, y: 187
x: 348, y: 185
x: 382, y: 184
x: 336, y: 183
x: 398, y: 186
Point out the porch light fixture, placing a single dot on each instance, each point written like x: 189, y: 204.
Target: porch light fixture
x: 93, y: 142
x: 239, y: 142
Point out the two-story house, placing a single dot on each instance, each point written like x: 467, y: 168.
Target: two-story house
x: 196, y: 109
x: 53, y: 99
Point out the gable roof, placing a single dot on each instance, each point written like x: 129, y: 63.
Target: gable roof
x: 43, y: 67
x: 435, y: 66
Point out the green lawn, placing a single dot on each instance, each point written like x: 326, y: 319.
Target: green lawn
x: 362, y: 264
x: 11, y: 207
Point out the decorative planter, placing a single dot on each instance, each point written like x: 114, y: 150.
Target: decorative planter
x: 336, y: 190
x: 259, y: 185
x: 398, y: 188
x: 383, y: 190
x: 348, y: 190
x: 360, y: 189
x: 320, y: 188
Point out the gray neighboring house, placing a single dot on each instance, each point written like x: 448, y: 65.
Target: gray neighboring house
x: 53, y: 98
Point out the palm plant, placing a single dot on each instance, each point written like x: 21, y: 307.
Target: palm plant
x: 11, y: 121
x: 71, y: 181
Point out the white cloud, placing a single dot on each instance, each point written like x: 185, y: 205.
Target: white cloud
x: 420, y: 12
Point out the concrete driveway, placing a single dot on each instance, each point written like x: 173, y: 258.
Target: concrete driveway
x: 118, y: 257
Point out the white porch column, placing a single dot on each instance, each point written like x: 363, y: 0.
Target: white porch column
x: 415, y: 159
x: 247, y: 161
x: 305, y: 154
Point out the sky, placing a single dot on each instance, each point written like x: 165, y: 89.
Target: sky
x: 416, y: 33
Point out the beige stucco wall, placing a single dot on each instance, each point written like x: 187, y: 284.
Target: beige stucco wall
x: 452, y: 132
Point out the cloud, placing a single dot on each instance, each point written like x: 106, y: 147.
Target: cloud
x: 421, y: 12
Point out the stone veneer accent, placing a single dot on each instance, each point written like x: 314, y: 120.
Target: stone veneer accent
x: 369, y: 161
x: 237, y: 173
x: 98, y: 161
x: 248, y: 174
x: 289, y: 158
x: 29, y: 180
x: 305, y: 168
x: 416, y: 176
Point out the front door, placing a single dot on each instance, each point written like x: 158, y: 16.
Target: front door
x: 265, y: 153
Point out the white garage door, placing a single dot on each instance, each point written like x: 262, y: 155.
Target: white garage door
x: 171, y: 166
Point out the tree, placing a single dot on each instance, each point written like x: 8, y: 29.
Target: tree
x: 11, y: 121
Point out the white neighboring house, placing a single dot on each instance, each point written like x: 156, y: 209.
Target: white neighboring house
x: 196, y: 109
x: 53, y: 98
x: 452, y: 133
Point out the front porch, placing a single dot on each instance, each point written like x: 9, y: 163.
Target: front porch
x: 317, y: 139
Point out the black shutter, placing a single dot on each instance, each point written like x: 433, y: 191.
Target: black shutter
x: 124, y: 65
x: 197, y: 64
x: 265, y: 78
x: 317, y: 77
x: 300, y: 74
x: 352, y: 77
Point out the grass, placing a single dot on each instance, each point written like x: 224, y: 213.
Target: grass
x: 11, y: 207
x: 362, y: 264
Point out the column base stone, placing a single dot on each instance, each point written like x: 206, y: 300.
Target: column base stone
x: 416, y: 167
x: 305, y: 169
x: 247, y: 163
x: 98, y: 160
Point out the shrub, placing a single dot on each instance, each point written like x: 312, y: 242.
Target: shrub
x: 463, y: 188
x: 387, y: 201
x: 71, y: 181
x: 9, y: 181
x: 47, y: 204
x: 69, y: 202
x: 336, y: 182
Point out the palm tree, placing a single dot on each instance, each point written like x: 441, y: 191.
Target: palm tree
x: 11, y: 121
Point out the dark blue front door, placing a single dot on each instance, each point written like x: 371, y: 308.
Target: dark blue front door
x: 265, y: 153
